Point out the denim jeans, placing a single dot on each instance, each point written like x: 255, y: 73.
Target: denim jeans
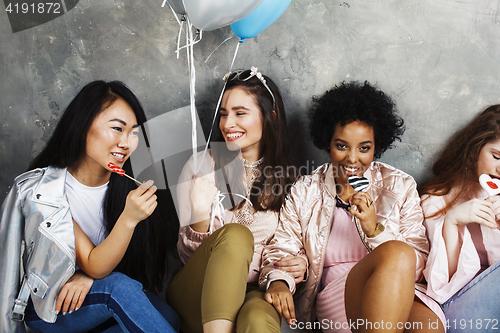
x: 115, y: 297
x: 476, y: 307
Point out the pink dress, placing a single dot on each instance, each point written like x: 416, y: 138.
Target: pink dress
x: 343, y: 251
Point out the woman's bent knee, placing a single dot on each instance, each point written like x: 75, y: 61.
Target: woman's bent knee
x: 121, y: 283
x: 397, y: 254
x: 257, y: 315
x: 236, y: 239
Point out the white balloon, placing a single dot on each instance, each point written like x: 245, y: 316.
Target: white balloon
x: 213, y: 14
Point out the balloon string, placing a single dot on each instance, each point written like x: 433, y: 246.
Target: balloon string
x: 212, y: 127
x: 179, y: 22
x: 217, y: 108
x: 218, y: 47
x: 179, y: 39
x: 188, y: 44
x: 234, y: 58
x: 192, y: 73
x: 192, y: 92
x: 173, y: 11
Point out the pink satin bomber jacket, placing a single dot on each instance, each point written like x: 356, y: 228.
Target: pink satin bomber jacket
x: 306, y: 218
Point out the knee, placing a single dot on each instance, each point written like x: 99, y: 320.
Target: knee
x: 236, y: 239
x: 258, y: 316
x: 399, y: 256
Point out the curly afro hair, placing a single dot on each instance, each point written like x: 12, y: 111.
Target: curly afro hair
x: 350, y: 102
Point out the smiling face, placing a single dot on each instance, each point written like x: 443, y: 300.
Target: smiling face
x: 112, y: 137
x: 241, y: 123
x: 489, y: 159
x: 351, y: 149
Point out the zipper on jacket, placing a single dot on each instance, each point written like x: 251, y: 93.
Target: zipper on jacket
x: 29, y: 250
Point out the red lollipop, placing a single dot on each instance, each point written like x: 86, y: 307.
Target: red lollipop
x: 116, y: 169
x: 121, y: 172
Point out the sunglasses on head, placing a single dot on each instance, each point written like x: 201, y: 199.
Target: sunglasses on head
x: 245, y: 75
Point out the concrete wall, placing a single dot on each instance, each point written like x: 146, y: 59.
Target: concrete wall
x: 437, y: 59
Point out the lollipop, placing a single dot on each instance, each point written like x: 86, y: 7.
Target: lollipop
x: 358, y: 183
x: 491, y: 186
x: 121, y: 172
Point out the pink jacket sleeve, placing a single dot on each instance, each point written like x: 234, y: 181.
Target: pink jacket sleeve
x: 403, y: 222
x: 287, y: 240
x: 439, y: 284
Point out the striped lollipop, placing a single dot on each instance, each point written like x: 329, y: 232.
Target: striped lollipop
x: 358, y: 183
x: 116, y: 168
x: 121, y: 172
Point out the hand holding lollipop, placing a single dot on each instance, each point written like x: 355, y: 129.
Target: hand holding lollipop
x: 491, y: 186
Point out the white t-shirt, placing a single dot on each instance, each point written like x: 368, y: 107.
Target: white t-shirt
x: 85, y: 204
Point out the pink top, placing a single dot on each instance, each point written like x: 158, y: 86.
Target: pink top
x: 480, y: 249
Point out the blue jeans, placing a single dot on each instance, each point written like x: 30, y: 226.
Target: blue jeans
x: 476, y: 307
x: 115, y: 297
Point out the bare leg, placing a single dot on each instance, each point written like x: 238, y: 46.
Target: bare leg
x: 218, y: 326
x: 420, y: 313
x: 380, y: 288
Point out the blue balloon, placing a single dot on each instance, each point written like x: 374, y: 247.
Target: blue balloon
x: 258, y: 20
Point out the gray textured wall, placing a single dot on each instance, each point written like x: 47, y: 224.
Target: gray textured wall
x: 438, y: 59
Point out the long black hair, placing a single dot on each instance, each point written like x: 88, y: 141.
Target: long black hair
x: 276, y: 172
x: 145, y: 258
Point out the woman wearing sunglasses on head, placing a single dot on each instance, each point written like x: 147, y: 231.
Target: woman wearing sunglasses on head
x: 365, y: 249
x: 462, y: 222
x: 71, y: 210
x: 216, y: 290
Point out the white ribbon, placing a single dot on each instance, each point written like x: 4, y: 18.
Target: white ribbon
x: 190, y: 41
x: 218, y: 208
x: 225, y: 40
x: 181, y: 25
x: 192, y: 91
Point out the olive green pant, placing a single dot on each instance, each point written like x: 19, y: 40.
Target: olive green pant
x: 213, y: 285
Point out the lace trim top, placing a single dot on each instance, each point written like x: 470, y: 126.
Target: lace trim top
x: 261, y: 223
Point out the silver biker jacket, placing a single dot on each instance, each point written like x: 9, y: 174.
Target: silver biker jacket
x: 36, y: 224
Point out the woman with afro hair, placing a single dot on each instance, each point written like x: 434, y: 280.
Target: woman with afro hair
x: 366, y: 249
